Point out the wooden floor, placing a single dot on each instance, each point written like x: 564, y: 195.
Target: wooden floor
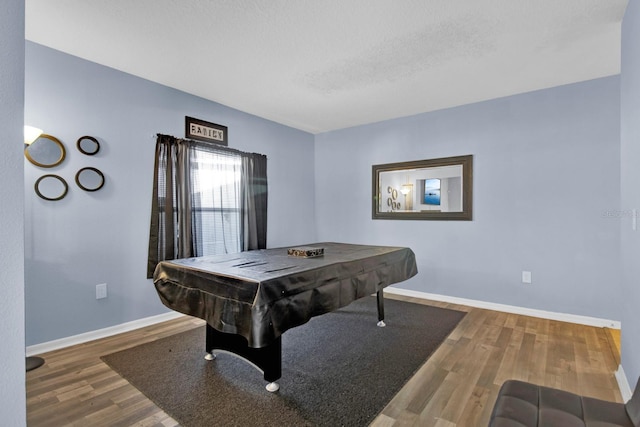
x: 455, y: 387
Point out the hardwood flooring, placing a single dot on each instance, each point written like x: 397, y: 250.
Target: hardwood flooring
x: 457, y: 386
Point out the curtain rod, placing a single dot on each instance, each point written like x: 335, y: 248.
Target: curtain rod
x: 209, y: 145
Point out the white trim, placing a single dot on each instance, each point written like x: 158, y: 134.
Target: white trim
x: 623, y: 384
x: 140, y: 323
x: 100, y: 333
x: 563, y: 317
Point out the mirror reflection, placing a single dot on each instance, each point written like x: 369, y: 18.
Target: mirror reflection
x: 90, y: 179
x: 424, y: 189
x: 46, y: 151
x: 51, y: 187
x: 418, y: 190
x: 88, y: 145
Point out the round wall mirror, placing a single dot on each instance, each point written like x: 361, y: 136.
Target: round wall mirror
x: 46, y: 151
x: 88, y: 145
x: 51, y: 187
x: 90, y: 179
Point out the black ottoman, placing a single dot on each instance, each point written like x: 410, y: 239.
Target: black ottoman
x: 522, y: 404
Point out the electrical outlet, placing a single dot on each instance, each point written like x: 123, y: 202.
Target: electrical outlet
x: 101, y: 291
x: 526, y: 277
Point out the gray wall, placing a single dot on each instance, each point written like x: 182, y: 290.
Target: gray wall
x: 91, y: 238
x: 630, y: 177
x: 546, y: 185
x: 12, y: 384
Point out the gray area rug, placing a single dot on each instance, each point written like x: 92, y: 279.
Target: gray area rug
x: 339, y: 369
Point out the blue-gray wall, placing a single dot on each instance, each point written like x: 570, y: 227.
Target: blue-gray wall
x: 546, y: 196
x: 91, y: 238
x: 630, y: 182
x: 12, y: 382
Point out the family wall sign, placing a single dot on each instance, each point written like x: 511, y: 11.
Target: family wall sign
x: 205, y: 131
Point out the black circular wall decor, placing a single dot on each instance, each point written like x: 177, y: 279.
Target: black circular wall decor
x: 90, y: 179
x: 88, y: 145
x: 51, y: 187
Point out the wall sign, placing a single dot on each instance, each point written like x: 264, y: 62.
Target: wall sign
x: 205, y: 131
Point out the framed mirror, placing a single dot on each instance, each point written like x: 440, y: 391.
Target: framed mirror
x: 434, y: 189
x: 46, y: 151
x: 51, y: 187
x: 90, y: 179
x: 88, y: 145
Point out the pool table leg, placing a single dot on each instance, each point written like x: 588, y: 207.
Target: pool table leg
x: 380, y: 297
x: 266, y: 359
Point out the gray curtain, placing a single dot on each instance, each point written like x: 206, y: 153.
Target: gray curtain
x: 254, y: 202
x: 176, y: 212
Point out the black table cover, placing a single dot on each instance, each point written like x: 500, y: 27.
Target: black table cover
x: 260, y: 294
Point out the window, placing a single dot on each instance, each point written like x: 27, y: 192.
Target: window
x: 216, y: 179
x: 217, y: 197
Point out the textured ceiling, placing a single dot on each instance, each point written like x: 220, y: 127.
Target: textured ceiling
x: 320, y: 65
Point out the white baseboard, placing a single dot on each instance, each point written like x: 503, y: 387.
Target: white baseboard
x: 100, y: 333
x: 621, y: 378
x: 563, y: 317
x: 140, y: 323
x: 623, y: 384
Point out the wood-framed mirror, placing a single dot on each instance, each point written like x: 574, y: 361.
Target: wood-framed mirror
x: 46, y: 151
x: 88, y: 145
x: 51, y: 187
x: 90, y: 179
x: 433, y: 189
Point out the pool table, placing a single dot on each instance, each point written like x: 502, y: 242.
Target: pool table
x: 250, y: 299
